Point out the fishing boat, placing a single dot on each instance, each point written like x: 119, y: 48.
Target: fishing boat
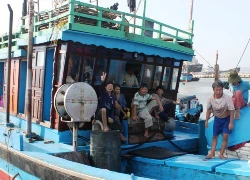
x: 72, y: 45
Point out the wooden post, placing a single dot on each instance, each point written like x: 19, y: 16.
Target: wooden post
x: 216, y: 68
x: 29, y: 66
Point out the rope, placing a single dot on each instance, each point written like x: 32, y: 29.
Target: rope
x: 243, y: 53
x: 203, y: 58
x: 136, y: 9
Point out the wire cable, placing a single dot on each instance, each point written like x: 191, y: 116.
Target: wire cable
x: 243, y: 52
x: 203, y: 58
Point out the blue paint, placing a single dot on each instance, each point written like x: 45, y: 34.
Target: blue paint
x: 130, y: 46
x: 125, y: 129
x: 22, y: 86
x: 161, y: 170
x: 16, y: 53
x: 12, y: 137
x: 186, y: 127
x: 195, y: 162
x: 13, y: 170
x: 48, y: 76
x: 80, y: 169
x: 238, y: 167
x: 202, y: 138
x: 111, y: 42
x: 239, y: 134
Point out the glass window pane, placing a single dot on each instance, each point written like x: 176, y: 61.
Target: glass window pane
x: 139, y: 57
x: 101, y: 67
x: 87, y: 71
x: 168, y: 61
x: 73, y: 68
x: 34, y: 59
x: 176, y: 63
x: 174, y: 78
x: 157, y: 76
x: 128, y: 56
x: 147, y: 75
x: 159, y: 60
x: 60, y: 67
x: 40, y: 58
x: 150, y: 59
x: 115, y: 67
x: 165, y: 79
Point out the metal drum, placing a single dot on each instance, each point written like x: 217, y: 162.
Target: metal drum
x: 105, y: 150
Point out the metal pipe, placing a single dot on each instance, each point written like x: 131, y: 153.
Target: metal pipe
x: 191, y: 16
x: 9, y: 66
x: 75, y: 135
x: 29, y: 66
x: 24, y: 8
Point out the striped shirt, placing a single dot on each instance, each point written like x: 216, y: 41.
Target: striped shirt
x: 141, y: 101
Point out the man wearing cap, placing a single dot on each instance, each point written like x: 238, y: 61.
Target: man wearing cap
x: 240, y: 90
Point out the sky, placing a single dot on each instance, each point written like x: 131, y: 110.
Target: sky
x: 221, y: 25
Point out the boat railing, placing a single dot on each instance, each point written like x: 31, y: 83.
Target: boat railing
x: 80, y: 16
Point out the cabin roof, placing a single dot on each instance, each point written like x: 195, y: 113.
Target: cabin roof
x: 88, y: 24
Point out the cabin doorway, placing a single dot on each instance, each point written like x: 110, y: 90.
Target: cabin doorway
x: 1, y: 83
x: 14, y: 83
x: 38, y: 63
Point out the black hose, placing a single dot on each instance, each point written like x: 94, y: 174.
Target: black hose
x: 166, y: 138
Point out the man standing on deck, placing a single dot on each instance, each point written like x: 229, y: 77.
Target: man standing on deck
x: 240, y: 92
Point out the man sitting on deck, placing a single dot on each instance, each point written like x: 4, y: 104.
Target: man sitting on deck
x: 240, y: 90
x: 166, y: 103
x: 140, y: 109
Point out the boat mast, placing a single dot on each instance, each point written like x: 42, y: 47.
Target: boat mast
x: 190, y: 27
x: 216, y: 68
x: 29, y: 66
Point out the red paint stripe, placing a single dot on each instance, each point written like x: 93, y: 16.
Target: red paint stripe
x: 4, y: 175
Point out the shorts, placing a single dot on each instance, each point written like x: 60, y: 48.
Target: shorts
x: 221, y: 126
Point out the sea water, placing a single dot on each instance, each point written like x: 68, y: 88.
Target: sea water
x: 202, y: 89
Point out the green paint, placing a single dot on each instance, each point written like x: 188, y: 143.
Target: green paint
x: 121, y: 25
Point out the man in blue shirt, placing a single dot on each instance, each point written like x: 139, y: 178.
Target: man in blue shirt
x: 240, y: 90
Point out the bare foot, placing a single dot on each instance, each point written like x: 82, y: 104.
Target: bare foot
x: 222, y: 157
x: 210, y: 156
x: 123, y: 138
x: 105, y: 129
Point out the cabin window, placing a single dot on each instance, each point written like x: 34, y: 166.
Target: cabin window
x: 177, y: 64
x: 73, y: 68
x: 87, y: 70
x: 166, y: 76
x: 40, y: 58
x: 60, y: 67
x: 159, y: 60
x: 91, y: 50
x: 117, y: 71
x: 168, y: 62
x: 139, y: 57
x: 150, y: 59
x: 101, y: 66
x: 148, y: 74
x: 174, y: 78
x: 124, y: 73
x: 128, y: 56
x: 157, y: 76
